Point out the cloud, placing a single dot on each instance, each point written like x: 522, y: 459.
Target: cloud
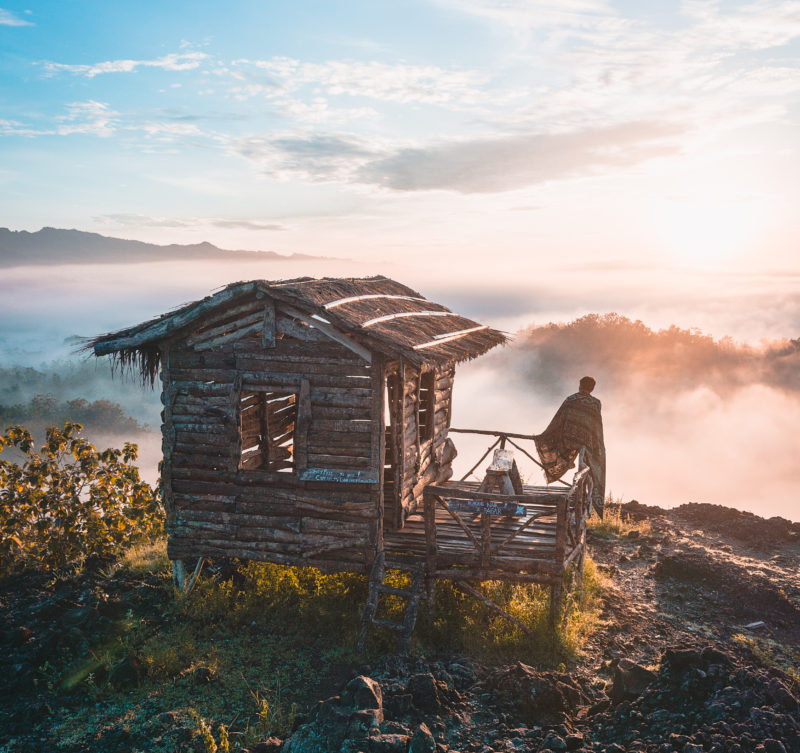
x: 621, y: 353
x: 247, y: 225
x: 398, y: 82
x: 533, y: 14
x: 757, y: 25
x: 180, y: 61
x: 504, y: 163
x: 484, y: 165
x: 90, y: 117
x: 7, y: 18
x: 687, y: 417
x: 129, y: 219
x: 313, y: 157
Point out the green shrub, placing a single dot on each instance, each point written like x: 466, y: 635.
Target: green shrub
x: 69, y: 500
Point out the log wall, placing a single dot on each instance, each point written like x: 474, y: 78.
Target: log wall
x: 217, y: 509
x: 423, y: 459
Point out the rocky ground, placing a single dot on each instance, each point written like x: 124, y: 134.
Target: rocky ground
x: 698, y: 651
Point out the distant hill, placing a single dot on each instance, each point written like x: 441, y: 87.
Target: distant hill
x: 56, y: 246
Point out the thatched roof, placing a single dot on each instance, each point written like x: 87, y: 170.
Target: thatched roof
x: 379, y: 313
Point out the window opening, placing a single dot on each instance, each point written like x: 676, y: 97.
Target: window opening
x: 267, y: 422
x: 427, y: 389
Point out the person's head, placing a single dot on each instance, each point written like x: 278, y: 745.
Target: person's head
x: 586, y: 384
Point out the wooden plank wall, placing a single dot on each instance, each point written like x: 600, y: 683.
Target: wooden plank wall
x: 220, y: 510
x: 424, y: 461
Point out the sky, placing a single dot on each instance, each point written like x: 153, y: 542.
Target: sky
x: 636, y: 136
x: 522, y: 162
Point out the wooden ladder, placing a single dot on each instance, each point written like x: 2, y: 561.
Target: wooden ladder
x: 378, y: 586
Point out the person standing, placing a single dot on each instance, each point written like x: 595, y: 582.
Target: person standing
x: 578, y: 423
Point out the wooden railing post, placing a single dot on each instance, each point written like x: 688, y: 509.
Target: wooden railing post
x: 431, y: 548
x: 486, y: 540
x: 557, y: 587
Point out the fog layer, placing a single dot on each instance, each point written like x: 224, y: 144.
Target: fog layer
x: 687, y: 417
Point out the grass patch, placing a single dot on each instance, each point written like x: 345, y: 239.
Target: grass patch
x: 615, y: 523
x: 238, y: 657
x: 459, y: 623
x: 773, y: 654
x: 148, y: 557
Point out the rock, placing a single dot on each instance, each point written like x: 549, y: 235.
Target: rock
x: 395, y: 728
x: 574, y: 741
x: 388, y: 743
x: 443, y: 676
x: 711, y: 655
x: 363, y: 693
x: 422, y: 740
x: 463, y: 674
x: 680, y: 658
x: 425, y: 692
x: 774, y: 746
x: 629, y: 680
x: 782, y: 697
x: 537, y: 696
x: 555, y: 743
x: 692, y: 748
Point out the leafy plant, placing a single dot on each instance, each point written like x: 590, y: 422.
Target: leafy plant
x: 69, y: 500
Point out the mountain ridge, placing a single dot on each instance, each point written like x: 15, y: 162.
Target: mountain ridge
x: 51, y: 245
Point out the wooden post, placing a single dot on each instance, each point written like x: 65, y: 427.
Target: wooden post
x: 557, y: 588
x: 431, y: 548
x: 378, y: 453
x: 486, y: 540
x: 178, y: 575
x: 169, y: 392
x: 581, y: 564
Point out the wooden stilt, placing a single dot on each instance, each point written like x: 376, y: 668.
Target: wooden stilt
x: 581, y: 565
x: 178, y: 575
x: 198, y: 567
x: 556, y: 604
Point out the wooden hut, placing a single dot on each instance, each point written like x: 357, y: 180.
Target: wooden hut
x: 300, y: 417
x: 306, y: 422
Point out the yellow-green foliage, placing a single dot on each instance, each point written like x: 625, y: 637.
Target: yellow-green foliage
x: 268, y: 640
x: 615, y: 522
x: 771, y: 653
x: 145, y: 557
x: 461, y: 623
x: 69, y: 501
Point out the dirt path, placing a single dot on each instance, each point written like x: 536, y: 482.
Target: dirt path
x: 702, y: 573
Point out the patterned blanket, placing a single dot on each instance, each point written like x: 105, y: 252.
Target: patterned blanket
x: 577, y: 423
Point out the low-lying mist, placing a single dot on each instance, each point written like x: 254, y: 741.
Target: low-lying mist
x: 687, y: 417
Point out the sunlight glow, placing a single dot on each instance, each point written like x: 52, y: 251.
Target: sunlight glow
x: 705, y: 229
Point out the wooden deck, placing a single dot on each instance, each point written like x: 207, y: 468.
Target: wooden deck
x: 498, y: 529
x: 534, y: 547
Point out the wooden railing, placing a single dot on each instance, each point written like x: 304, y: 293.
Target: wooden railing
x: 569, y: 506
x: 503, y: 438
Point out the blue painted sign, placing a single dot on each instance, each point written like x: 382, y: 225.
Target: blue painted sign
x: 480, y: 506
x: 333, y: 475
